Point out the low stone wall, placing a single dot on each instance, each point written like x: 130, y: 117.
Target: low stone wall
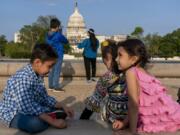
x: 75, y: 68
x: 69, y: 68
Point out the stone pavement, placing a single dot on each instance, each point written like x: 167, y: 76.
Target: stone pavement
x: 75, y: 128
x: 76, y: 90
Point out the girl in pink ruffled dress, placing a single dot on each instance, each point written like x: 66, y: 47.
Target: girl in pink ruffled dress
x: 150, y: 109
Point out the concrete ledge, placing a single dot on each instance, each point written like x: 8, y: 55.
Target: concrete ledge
x: 75, y: 68
x: 75, y: 128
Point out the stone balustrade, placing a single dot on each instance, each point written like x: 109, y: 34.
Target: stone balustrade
x: 75, y: 68
x: 69, y: 68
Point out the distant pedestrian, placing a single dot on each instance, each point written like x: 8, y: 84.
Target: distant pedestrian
x: 57, y: 40
x: 90, y: 46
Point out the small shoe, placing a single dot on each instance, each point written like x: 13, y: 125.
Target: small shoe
x: 51, y: 88
x: 58, y: 89
x: 58, y: 114
x: 93, y: 79
x: 89, y: 81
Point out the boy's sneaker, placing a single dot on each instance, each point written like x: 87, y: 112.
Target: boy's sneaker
x: 94, y: 79
x: 58, y: 114
x: 58, y: 89
x: 50, y: 88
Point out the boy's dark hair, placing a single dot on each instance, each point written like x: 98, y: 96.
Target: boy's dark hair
x: 110, y: 48
x: 44, y: 52
x: 55, y: 23
x: 135, y: 47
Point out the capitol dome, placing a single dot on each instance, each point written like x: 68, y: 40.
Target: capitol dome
x: 76, y: 19
x: 76, y: 28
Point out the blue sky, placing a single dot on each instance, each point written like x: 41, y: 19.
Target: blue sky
x: 107, y: 17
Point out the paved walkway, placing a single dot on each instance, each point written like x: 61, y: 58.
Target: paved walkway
x: 75, y: 92
x: 75, y: 128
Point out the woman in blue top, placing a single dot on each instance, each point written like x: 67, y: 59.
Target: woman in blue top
x: 90, y: 46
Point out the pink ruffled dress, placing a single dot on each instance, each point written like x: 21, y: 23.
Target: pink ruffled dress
x: 157, y: 110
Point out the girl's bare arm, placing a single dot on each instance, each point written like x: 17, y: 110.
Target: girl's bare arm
x: 133, y: 95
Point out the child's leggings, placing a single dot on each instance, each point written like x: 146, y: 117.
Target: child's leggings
x: 28, y: 123
x: 86, y: 114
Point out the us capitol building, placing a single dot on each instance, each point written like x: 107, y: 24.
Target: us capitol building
x: 76, y: 30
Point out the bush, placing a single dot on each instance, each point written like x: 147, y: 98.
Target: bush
x: 77, y: 55
x: 21, y: 55
x: 17, y: 51
x: 2, y: 48
x: 67, y: 49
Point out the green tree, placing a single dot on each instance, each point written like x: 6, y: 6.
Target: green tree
x: 3, y: 42
x: 44, y: 21
x: 167, y: 50
x: 166, y: 46
x: 29, y: 35
x: 170, y: 44
x: 138, y: 32
x: 35, y: 33
x: 175, y: 36
x: 153, y: 42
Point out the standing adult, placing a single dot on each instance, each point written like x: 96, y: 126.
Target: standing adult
x: 56, y: 39
x: 90, y: 46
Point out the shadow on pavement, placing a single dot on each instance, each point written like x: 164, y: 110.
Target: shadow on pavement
x: 67, y: 73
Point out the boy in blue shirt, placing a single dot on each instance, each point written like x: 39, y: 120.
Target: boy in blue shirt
x: 56, y: 39
x: 25, y: 104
